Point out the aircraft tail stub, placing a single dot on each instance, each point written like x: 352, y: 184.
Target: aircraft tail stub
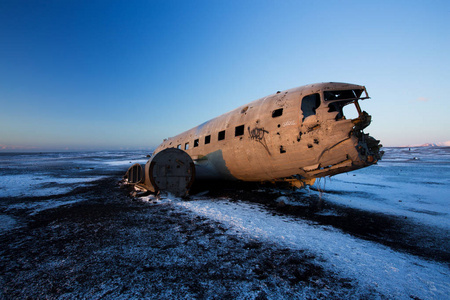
x: 171, y: 170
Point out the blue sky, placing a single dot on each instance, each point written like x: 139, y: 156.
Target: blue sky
x: 87, y: 75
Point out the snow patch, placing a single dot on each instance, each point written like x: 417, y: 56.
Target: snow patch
x: 39, y: 185
x: 36, y: 207
x: 7, y: 223
x: 411, y: 192
x: 396, y: 275
x: 128, y: 162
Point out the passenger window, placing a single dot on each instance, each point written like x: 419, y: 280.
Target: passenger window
x: 179, y: 146
x: 221, y: 135
x: 239, y: 130
x: 207, y: 139
x: 186, y: 146
x: 309, y: 105
x: 196, y: 143
x: 277, y: 113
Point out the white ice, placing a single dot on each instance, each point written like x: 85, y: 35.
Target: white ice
x: 375, y: 267
x: 413, y: 184
x: 7, y: 223
x: 426, y: 204
x: 34, y: 185
x: 127, y: 162
x: 36, y: 207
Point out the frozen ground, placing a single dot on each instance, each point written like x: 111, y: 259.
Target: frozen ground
x: 111, y: 247
x: 7, y: 223
x: 380, y: 232
x: 372, y: 266
x: 38, y: 181
x: 35, y: 185
x: 408, y: 183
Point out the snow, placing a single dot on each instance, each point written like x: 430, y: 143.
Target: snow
x: 399, y: 185
x: 438, y: 144
x: 6, y: 223
x: 36, y: 207
x: 127, y: 162
x: 408, y: 183
x: 396, y: 275
x: 33, y: 185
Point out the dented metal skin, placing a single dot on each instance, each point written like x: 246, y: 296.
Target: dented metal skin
x: 295, y: 135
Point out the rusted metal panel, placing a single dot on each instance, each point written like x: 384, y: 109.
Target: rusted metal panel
x: 283, y: 138
x: 292, y: 136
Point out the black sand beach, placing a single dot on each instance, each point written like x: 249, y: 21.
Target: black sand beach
x: 111, y: 246
x: 91, y: 240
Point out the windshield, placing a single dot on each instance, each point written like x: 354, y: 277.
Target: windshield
x: 343, y: 95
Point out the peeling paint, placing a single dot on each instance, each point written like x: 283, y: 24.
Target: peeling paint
x: 287, y: 133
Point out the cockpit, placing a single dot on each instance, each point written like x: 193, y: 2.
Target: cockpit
x: 337, y: 100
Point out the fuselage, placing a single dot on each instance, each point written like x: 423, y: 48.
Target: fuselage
x: 297, y: 134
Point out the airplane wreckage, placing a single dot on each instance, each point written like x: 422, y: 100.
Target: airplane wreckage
x: 292, y: 136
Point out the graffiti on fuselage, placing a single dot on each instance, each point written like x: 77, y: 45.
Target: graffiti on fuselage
x: 258, y: 134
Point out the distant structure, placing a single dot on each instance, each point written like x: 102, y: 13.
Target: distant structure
x: 292, y: 136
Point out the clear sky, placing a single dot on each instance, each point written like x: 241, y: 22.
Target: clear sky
x: 87, y: 75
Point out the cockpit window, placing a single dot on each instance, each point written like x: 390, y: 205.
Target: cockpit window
x: 309, y: 105
x: 338, y: 106
x: 342, y: 95
x: 342, y: 99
